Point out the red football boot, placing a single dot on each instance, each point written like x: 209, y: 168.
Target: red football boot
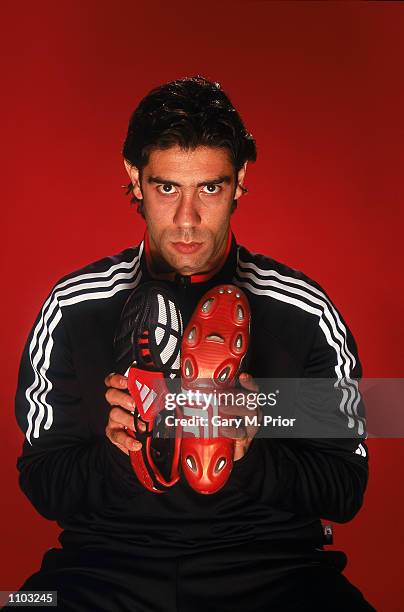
x: 213, y: 349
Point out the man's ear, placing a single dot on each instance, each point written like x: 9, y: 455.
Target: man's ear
x: 240, y: 180
x: 133, y: 173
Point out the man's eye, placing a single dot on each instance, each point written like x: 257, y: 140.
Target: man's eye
x: 166, y: 189
x: 211, y: 189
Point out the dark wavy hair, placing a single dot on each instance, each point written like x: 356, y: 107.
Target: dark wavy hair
x: 188, y: 112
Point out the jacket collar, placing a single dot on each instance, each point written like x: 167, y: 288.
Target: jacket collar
x: 224, y: 275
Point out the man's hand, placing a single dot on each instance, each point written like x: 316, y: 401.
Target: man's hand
x: 244, y: 434
x: 121, y: 414
x: 123, y: 406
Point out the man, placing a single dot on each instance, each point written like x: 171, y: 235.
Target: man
x: 258, y: 543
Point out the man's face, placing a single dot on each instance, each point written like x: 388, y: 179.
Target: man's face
x: 187, y: 203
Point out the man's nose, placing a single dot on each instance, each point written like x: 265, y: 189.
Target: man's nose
x: 187, y: 211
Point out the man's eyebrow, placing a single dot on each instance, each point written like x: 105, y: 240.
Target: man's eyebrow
x: 225, y: 178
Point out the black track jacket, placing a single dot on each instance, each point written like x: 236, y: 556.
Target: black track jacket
x: 277, y: 492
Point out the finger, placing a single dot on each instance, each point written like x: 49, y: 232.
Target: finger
x: 247, y: 381
x: 240, y: 448
x: 122, y: 438
x: 140, y: 425
x: 235, y: 433
x: 119, y: 417
x: 116, y: 380
x: 251, y: 432
x: 120, y: 398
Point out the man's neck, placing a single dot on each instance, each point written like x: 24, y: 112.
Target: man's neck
x: 159, y: 269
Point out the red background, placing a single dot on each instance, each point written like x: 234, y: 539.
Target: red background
x: 320, y: 86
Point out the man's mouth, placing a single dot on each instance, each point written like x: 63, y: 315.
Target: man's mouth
x: 187, y: 247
